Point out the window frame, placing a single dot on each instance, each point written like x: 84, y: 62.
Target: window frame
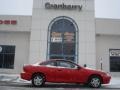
x: 110, y: 67
x: 76, y: 43
x: 6, y: 51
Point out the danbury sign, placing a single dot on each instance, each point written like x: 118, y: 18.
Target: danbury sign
x: 63, y: 6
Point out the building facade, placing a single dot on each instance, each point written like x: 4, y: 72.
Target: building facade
x: 59, y: 29
x: 14, y: 42
x: 107, y: 45
x: 63, y: 29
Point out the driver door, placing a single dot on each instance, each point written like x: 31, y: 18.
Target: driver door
x: 66, y: 72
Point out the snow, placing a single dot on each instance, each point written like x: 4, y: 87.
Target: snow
x: 12, y: 78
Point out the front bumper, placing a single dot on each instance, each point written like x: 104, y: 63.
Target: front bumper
x: 106, y: 79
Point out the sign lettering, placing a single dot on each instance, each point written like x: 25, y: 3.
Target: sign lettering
x: 8, y: 22
x: 62, y: 6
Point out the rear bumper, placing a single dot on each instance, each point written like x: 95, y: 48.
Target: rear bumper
x: 106, y: 79
x: 25, y: 76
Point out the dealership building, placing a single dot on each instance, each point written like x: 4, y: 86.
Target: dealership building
x: 60, y: 29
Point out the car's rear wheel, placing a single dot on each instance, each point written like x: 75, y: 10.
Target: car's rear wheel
x: 94, y: 81
x: 38, y: 80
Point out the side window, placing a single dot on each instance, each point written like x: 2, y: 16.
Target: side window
x: 49, y: 63
x: 65, y: 64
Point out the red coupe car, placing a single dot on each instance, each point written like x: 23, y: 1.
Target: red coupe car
x: 63, y: 71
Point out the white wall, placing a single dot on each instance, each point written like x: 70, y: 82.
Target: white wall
x: 103, y: 44
x: 18, y: 35
x: 21, y: 41
x: 108, y: 26
x: 107, y: 37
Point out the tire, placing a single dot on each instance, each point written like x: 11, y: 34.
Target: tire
x: 38, y: 80
x: 94, y: 82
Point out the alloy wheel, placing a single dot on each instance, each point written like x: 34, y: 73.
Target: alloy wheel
x: 95, y: 82
x: 38, y: 80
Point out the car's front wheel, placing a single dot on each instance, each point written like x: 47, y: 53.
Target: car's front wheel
x: 38, y: 80
x: 94, y: 82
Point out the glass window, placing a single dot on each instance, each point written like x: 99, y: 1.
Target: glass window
x: 69, y: 37
x: 55, y: 48
x: 9, y: 49
x: 69, y: 49
x: 70, y: 58
x: 115, y: 60
x: 65, y: 64
x: 56, y: 57
x: 62, y: 42
x: 49, y: 63
x: 7, y: 54
x: 1, y: 60
x: 115, y: 64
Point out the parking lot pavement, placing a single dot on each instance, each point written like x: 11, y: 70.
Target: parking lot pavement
x: 50, y: 86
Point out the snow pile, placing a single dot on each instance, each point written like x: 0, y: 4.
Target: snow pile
x: 8, y: 77
x: 12, y: 78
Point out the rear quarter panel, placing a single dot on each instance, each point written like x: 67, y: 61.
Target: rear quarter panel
x: 48, y: 72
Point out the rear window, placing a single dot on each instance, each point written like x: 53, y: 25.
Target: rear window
x: 48, y: 63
